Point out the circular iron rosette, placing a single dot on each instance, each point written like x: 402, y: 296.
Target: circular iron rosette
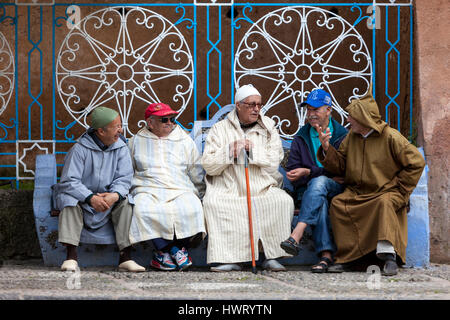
x: 291, y: 51
x: 124, y: 58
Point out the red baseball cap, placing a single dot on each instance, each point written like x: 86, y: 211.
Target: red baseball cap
x: 159, y: 110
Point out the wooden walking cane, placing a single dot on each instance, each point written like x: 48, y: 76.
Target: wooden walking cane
x: 249, y: 206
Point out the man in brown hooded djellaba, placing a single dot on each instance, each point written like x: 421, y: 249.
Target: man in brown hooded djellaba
x: 381, y: 169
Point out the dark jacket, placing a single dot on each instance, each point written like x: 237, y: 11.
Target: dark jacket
x: 300, y: 155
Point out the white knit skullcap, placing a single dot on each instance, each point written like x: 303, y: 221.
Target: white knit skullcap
x: 245, y: 91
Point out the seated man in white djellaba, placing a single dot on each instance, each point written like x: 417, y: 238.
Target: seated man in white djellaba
x: 225, y: 201
x: 167, y: 187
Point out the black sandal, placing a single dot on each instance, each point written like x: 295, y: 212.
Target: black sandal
x: 322, y: 266
x: 290, y: 246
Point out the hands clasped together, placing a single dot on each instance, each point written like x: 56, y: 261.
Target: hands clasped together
x: 237, y: 146
x: 103, y: 201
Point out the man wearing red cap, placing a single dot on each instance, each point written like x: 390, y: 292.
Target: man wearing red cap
x: 167, y: 187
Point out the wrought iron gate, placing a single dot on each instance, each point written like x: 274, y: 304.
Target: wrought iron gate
x: 58, y: 61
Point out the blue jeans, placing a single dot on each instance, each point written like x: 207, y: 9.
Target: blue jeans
x: 314, y: 211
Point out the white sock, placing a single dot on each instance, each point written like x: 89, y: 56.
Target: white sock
x: 384, y: 246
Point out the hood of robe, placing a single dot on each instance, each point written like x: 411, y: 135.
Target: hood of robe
x: 365, y: 111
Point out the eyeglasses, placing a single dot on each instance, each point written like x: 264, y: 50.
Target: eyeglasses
x: 253, y: 105
x: 166, y: 119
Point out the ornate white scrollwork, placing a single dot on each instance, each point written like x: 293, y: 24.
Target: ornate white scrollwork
x: 129, y: 66
x: 306, y: 62
x: 34, y: 148
x: 6, y: 73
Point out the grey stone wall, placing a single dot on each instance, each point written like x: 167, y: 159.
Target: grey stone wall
x: 18, y: 237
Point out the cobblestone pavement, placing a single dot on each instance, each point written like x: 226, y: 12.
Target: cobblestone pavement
x: 24, y: 280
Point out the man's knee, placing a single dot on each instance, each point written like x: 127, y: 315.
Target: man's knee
x: 122, y: 208
x: 121, y: 216
x: 318, y: 184
x: 71, y: 213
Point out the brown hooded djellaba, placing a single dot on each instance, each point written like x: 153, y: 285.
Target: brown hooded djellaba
x: 380, y: 173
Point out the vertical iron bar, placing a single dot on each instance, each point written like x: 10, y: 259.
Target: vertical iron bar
x: 17, y: 94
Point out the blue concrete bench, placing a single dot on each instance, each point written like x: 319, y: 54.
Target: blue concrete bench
x: 417, y: 253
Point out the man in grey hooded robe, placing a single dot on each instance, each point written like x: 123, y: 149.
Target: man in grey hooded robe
x: 94, y: 185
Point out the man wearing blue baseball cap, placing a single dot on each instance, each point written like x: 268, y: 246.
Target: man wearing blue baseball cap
x: 313, y: 185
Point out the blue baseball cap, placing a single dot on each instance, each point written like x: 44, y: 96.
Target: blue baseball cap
x: 317, y: 98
